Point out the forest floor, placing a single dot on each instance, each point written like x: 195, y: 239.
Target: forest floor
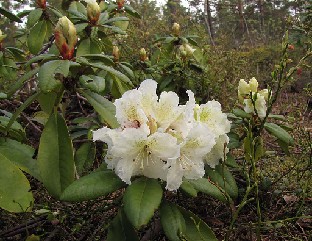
x: 285, y: 198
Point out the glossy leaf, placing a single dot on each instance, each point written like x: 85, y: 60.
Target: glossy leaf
x: 34, y: 17
x: 46, y: 75
x: 205, y: 186
x: 104, y: 107
x: 22, y: 156
x: 279, y: 133
x: 92, y: 186
x: 14, y: 188
x: 121, y: 229
x: 87, y: 46
x: 55, y: 156
x: 93, y: 83
x: 172, y: 221
x: 141, y: 200
x: 36, y: 37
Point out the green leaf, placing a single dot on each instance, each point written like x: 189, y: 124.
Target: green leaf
x: 188, y: 188
x: 47, y: 101
x: 88, y: 46
x: 115, y: 29
x: 224, y: 179
x: 141, y: 199
x: 258, y: 148
x: 14, y: 188
x: 16, y: 131
x: 9, y: 15
x: 284, y: 146
x: 55, y: 156
x: 131, y: 11
x: 205, y: 186
x: 84, y: 156
x: 121, y: 229
x: 241, y: 113
x: 103, y: 58
x: 22, y: 156
x: 34, y: 17
x: 104, y: 107
x: 93, y: 82
x: 172, y: 221
x: 279, y: 133
x: 196, y: 229
x: 127, y: 70
x: 36, y: 37
x: 92, y: 186
x: 230, y: 161
x: 46, y: 75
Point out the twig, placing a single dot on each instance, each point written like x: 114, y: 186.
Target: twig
x: 31, y: 123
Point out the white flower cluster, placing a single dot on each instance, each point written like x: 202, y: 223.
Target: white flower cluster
x: 159, y: 138
x: 254, y: 100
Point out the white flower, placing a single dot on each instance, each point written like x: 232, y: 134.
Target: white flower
x: 218, y: 151
x: 212, y: 115
x: 136, y: 153
x: 189, y: 164
x: 260, y: 105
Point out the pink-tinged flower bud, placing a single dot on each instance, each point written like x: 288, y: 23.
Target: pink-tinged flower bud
x: 42, y: 3
x: 291, y: 47
x: 93, y: 11
x: 176, y: 29
x: 65, y: 37
x: 143, y: 56
x: 116, y: 53
x: 120, y: 3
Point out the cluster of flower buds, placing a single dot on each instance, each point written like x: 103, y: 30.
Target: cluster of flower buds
x: 159, y: 138
x: 65, y: 37
x: 254, y: 100
x: 186, y: 50
x: 42, y: 3
x: 93, y: 11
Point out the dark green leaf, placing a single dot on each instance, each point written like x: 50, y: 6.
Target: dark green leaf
x: 104, y: 107
x: 188, y: 188
x: 93, y: 83
x: 241, y: 113
x: 47, y: 81
x: 37, y: 36
x: 84, y: 156
x: 172, y: 221
x: 279, y: 133
x: 88, y: 46
x: 141, y: 200
x: 14, y: 188
x: 55, y: 156
x: 131, y: 11
x: 92, y: 186
x: 34, y: 17
x: 121, y: 229
x: 9, y: 15
x: 16, y: 131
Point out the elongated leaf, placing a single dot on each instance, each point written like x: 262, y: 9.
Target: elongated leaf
x: 103, y: 58
x: 188, y: 188
x: 131, y: 11
x: 279, y: 133
x: 9, y: 15
x: 55, y: 156
x: 47, y: 101
x: 16, y: 131
x: 36, y: 37
x: 241, y: 113
x: 92, y: 186
x: 104, y: 107
x: 84, y: 156
x: 22, y: 156
x: 14, y: 188
x: 34, y: 17
x: 207, y: 187
x: 121, y: 229
x: 172, y: 221
x: 223, y: 177
x: 141, y: 199
x: 196, y: 229
x: 47, y: 81
x: 87, y: 46
x: 93, y: 83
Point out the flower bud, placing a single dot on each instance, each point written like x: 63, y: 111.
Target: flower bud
x: 189, y: 50
x: 143, y: 56
x: 243, y: 88
x: 65, y: 37
x: 265, y: 94
x: 120, y: 3
x: 253, y: 84
x: 93, y: 11
x: 116, y: 53
x: 176, y: 29
x: 41, y: 3
x: 291, y: 47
